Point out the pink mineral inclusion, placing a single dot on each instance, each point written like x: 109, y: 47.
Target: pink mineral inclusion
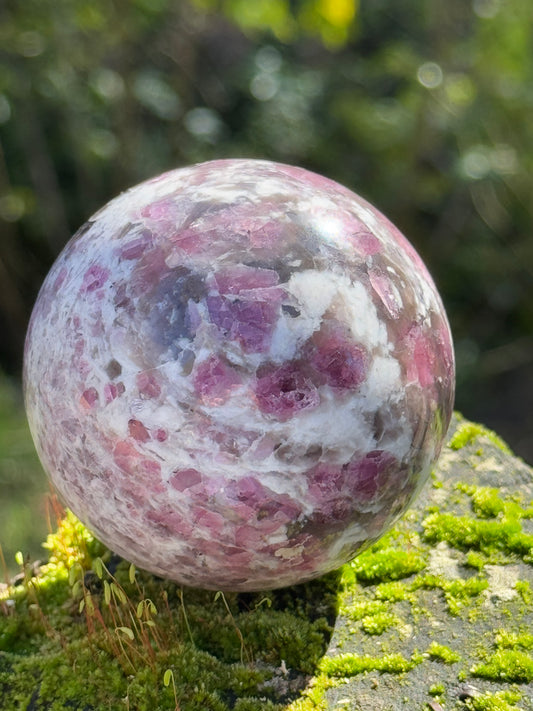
x: 366, y: 242
x: 285, y: 391
x: 185, y: 478
x: 362, y: 478
x: 421, y: 363
x: 136, y: 248
x: 112, y: 391
x: 340, y: 361
x: 242, y: 280
x: 138, y: 431
x: 95, y: 277
x: 214, y: 380
x: 246, y: 306
x: 368, y: 476
x: 382, y: 287
x: 163, y: 210
x: 148, y: 385
x: 89, y: 398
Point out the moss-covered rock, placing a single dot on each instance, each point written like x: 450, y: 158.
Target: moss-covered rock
x: 436, y: 615
x: 464, y: 612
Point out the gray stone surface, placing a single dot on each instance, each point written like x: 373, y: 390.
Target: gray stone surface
x: 491, y: 624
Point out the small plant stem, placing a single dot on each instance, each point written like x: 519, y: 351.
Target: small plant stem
x: 185, y: 616
x: 169, y: 677
x: 4, y: 566
x: 244, y: 652
x: 124, y: 653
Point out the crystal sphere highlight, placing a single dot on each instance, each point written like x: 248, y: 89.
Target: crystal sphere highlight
x: 238, y: 375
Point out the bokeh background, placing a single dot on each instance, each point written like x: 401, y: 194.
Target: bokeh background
x: 424, y: 108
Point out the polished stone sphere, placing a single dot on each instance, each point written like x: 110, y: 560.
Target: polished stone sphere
x: 238, y: 375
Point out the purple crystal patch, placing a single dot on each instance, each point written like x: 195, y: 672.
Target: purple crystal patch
x: 238, y: 375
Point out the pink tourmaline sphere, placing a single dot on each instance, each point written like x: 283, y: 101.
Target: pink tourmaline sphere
x: 238, y: 374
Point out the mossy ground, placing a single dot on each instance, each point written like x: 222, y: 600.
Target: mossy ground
x: 89, y: 631
x: 436, y: 615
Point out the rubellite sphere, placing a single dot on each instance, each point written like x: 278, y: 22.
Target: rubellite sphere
x: 238, y: 375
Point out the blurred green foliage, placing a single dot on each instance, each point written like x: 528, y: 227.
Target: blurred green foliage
x: 23, y: 519
x: 330, y: 20
x: 423, y: 108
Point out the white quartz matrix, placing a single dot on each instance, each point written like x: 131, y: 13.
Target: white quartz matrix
x: 238, y: 375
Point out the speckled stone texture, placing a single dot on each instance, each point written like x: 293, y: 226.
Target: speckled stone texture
x: 238, y: 374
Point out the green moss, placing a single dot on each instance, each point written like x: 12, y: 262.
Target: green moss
x: 71, y: 544
x: 500, y: 701
x: 527, y: 512
x: 387, y: 564
x: 255, y: 705
x: 487, y: 536
x: 437, y: 690
x: 457, y: 593
x: 465, y: 589
x: 476, y: 560
x: 509, y: 660
x: 379, y: 623
x: 486, y: 501
x: 506, y: 665
x: 313, y: 697
x: 362, y: 607
x: 442, y: 653
x: 50, y: 678
x: 467, y: 432
x: 346, y: 665
x: 277, y: 635
x: 393, y: 592
x: 523, y: 588
x: 506, y: 639
x: 494, y: 534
